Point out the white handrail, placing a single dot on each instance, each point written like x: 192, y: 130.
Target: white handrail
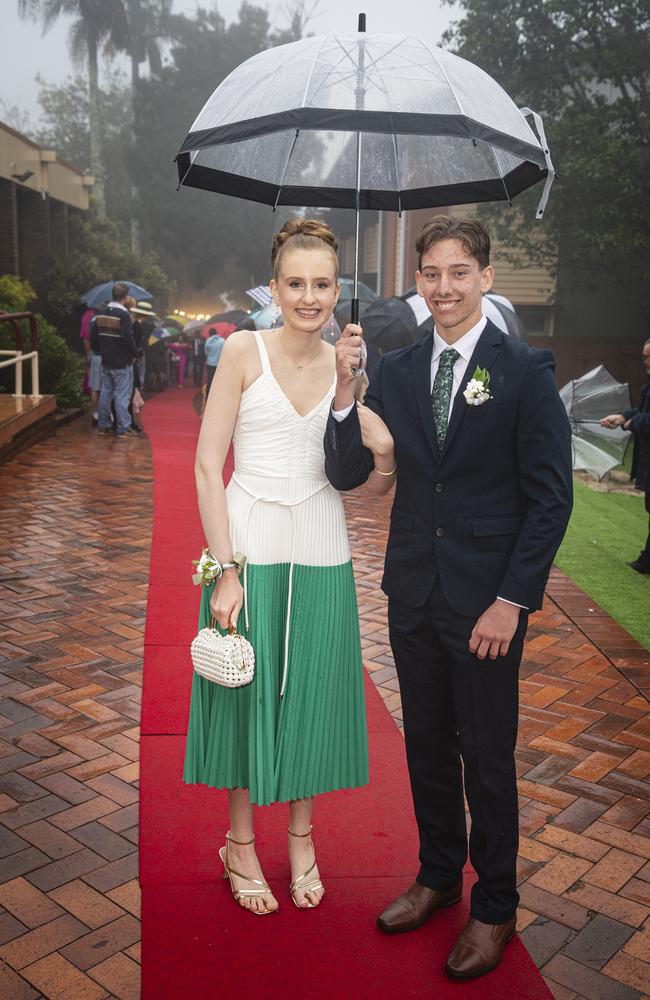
x: 17, y: 359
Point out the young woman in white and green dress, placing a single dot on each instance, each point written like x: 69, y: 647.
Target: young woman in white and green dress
x: 299, y: 728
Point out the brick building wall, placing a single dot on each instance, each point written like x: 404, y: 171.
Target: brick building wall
x: 9, y: 262
x: 33, y: 229
x: 33, y: 241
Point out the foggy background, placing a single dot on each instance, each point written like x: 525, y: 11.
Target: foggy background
x: 29, y: 52
x: 578, y: 276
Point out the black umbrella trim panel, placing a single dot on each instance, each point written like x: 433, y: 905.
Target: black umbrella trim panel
x: 495, y: 189
x: 350, y: 120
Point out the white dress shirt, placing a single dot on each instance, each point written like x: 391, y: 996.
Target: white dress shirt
x: 465, y: 346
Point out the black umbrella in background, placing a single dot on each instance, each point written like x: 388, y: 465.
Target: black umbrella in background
x: 389, y: 324
x: 496, y: 307
x: 236, y: 316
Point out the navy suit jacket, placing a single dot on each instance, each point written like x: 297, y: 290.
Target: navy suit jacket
x: 486, y: 514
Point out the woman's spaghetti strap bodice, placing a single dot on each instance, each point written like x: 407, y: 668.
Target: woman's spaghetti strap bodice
x: 271, y: 439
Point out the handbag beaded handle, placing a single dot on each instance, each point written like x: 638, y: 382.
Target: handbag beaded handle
x: 231, y: 631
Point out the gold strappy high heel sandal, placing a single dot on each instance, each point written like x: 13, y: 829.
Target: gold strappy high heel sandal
x: 299, y: 882
x: 228, y: 872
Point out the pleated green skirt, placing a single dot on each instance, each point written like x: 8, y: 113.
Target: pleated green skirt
x: 311, y: 740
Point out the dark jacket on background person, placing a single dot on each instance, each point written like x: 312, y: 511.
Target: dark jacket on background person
x: 148, y: 326
x: 138, y: 335
x: 111, y: 335
x: 640, y: 427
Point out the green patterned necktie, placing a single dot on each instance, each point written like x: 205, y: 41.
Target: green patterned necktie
x: 441, y: 392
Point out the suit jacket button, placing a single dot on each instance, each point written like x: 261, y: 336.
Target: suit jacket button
x: 440, y: 532
x: 438, y: 487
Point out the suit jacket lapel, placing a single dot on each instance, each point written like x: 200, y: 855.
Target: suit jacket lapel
x: 485, y: 353
x: 421, y: 375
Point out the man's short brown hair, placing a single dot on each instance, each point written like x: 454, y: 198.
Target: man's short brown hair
x: 120, y: 291
x: 470, y: 232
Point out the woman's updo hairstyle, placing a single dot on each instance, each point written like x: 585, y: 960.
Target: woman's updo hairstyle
x: 303, y: 234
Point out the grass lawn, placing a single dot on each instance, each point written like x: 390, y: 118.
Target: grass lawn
x: 606, y: 531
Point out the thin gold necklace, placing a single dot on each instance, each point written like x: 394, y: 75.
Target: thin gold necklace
x: 302, y: 366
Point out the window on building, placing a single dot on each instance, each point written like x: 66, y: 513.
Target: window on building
x: 538, y: 320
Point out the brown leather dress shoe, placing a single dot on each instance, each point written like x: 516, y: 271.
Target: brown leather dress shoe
x: 479, y: 948
x: 414, y: 908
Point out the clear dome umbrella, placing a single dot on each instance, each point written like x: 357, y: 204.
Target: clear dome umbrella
x: 587, y: 400
x: 363, y: 121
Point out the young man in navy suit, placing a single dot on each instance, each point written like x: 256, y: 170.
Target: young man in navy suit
x: 469, y: 425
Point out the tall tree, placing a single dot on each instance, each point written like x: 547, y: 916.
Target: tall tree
x: 147, y: 25
x: 584, y: 65
x: 96, y: 21
x: 211, y: 243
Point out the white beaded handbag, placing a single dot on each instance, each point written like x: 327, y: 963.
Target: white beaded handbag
x: 228, y: 660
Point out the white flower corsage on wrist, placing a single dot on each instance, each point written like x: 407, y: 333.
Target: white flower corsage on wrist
x: 477, y: 391
x: 209, y: 569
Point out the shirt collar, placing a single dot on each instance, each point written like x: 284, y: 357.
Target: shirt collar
x: 465, y: 346
x: 117, y: 305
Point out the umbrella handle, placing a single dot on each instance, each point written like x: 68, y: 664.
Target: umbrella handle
x: 354, y: 318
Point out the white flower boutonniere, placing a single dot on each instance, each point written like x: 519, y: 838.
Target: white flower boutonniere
x: 477, y: 391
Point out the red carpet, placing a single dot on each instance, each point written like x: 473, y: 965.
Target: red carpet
x: 196, y: 943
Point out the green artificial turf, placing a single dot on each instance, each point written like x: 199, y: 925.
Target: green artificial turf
x: 606, y: 531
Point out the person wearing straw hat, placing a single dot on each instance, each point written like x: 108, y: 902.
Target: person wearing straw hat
x: 482, y: 465
x: 146, y: 318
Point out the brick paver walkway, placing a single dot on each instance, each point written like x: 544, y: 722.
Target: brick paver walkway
x: 75, y: 527
x: 583, y: 762
x: 73, y: 578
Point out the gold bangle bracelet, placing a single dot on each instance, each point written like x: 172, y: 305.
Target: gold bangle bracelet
x: 391, y: 473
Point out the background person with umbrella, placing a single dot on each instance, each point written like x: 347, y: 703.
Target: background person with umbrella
x: 111, y: 336
x: 102, y: 293
x: 145, y: 318
x: 483, y: 467
x: 638, y: 422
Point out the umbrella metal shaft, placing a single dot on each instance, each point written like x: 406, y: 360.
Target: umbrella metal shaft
x: 360, y: 100
x: 355, y: 287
